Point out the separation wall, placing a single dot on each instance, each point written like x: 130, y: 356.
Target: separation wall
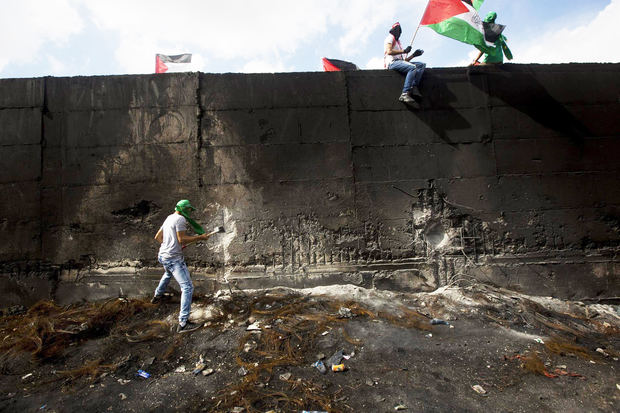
x: 506, y: 175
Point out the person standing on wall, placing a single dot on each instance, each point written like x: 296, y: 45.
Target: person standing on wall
x: 495, y: 55
x: 173, y: 238
x: 395, y: 58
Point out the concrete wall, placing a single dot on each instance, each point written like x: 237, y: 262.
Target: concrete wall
x: 506, y: 175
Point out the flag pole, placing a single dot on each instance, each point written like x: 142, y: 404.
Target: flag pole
x: 416, y: 30
x: 414, y: 35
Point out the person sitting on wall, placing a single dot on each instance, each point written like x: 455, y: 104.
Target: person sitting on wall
x: 493, y: 55
x: 173, y: 237
x: 395, y: 58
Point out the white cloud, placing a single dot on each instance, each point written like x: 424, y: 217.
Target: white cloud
x: 361, y: 18
x: 123, y: 36
x: 256, y: 33
x: 56, y: 66
x: 264, y: 66
x: 220, y: 30
x: 256, y: 36
x: 198, y: 63
x: 375, y: 63
x: 596, y: 41
x: 470, y: 58
x: 31, y: 24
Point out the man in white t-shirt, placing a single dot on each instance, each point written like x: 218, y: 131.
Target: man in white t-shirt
x: 395, y: 58
x: 173, y: 237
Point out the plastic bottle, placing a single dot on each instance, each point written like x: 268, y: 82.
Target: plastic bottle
x: 320, y: 366
x: 337, y: 367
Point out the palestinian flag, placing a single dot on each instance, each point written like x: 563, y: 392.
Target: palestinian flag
x: 459, y: 20
x: 162, y: 59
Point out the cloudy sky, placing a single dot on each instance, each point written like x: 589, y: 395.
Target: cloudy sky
x: 101, y: 37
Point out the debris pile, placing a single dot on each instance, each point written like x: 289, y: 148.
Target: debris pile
x: 291, y: 328
x: 293, y: 350
x: 46, y: 329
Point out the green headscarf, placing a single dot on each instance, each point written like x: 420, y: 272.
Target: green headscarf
x: 491, y: 17
x: 184, y: 208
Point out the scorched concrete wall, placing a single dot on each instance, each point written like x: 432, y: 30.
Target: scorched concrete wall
x: 506, y: 175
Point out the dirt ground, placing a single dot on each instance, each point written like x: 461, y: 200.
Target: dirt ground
x: 501, y: 351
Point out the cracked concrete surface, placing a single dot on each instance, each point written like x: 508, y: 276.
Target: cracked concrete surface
x: 507, y: 176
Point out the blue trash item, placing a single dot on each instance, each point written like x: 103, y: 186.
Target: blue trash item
x: 143, y: 374
x: 436, y: 321
x: 320, y: 366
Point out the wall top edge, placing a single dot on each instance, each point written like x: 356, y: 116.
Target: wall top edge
x: 517, y: 67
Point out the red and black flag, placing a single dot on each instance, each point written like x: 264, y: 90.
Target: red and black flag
x: 335, y: 65
x: 162, y: 59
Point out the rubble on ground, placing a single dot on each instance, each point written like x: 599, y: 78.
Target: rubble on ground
x: 261, y: 350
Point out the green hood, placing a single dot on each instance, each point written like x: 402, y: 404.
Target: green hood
x: 184, y: 208
x: 491, y: 17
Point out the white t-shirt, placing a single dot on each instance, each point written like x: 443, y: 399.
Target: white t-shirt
x: 170, y: 247
x: 387, y: 59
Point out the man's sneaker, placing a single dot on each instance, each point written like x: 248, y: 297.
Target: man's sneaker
x: 408, y: 100
x: 188, y: 327
x: 157, y: 299
x: 405, y: 98
x: 415, y: 92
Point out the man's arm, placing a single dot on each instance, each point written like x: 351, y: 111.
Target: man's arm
x: 159, y: 237
x: 391, y: 51
x: 476, y: 59
x: 185, y: 239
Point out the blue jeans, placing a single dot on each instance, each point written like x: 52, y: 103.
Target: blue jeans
x: 413, y: 71
x: 178, y: 269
